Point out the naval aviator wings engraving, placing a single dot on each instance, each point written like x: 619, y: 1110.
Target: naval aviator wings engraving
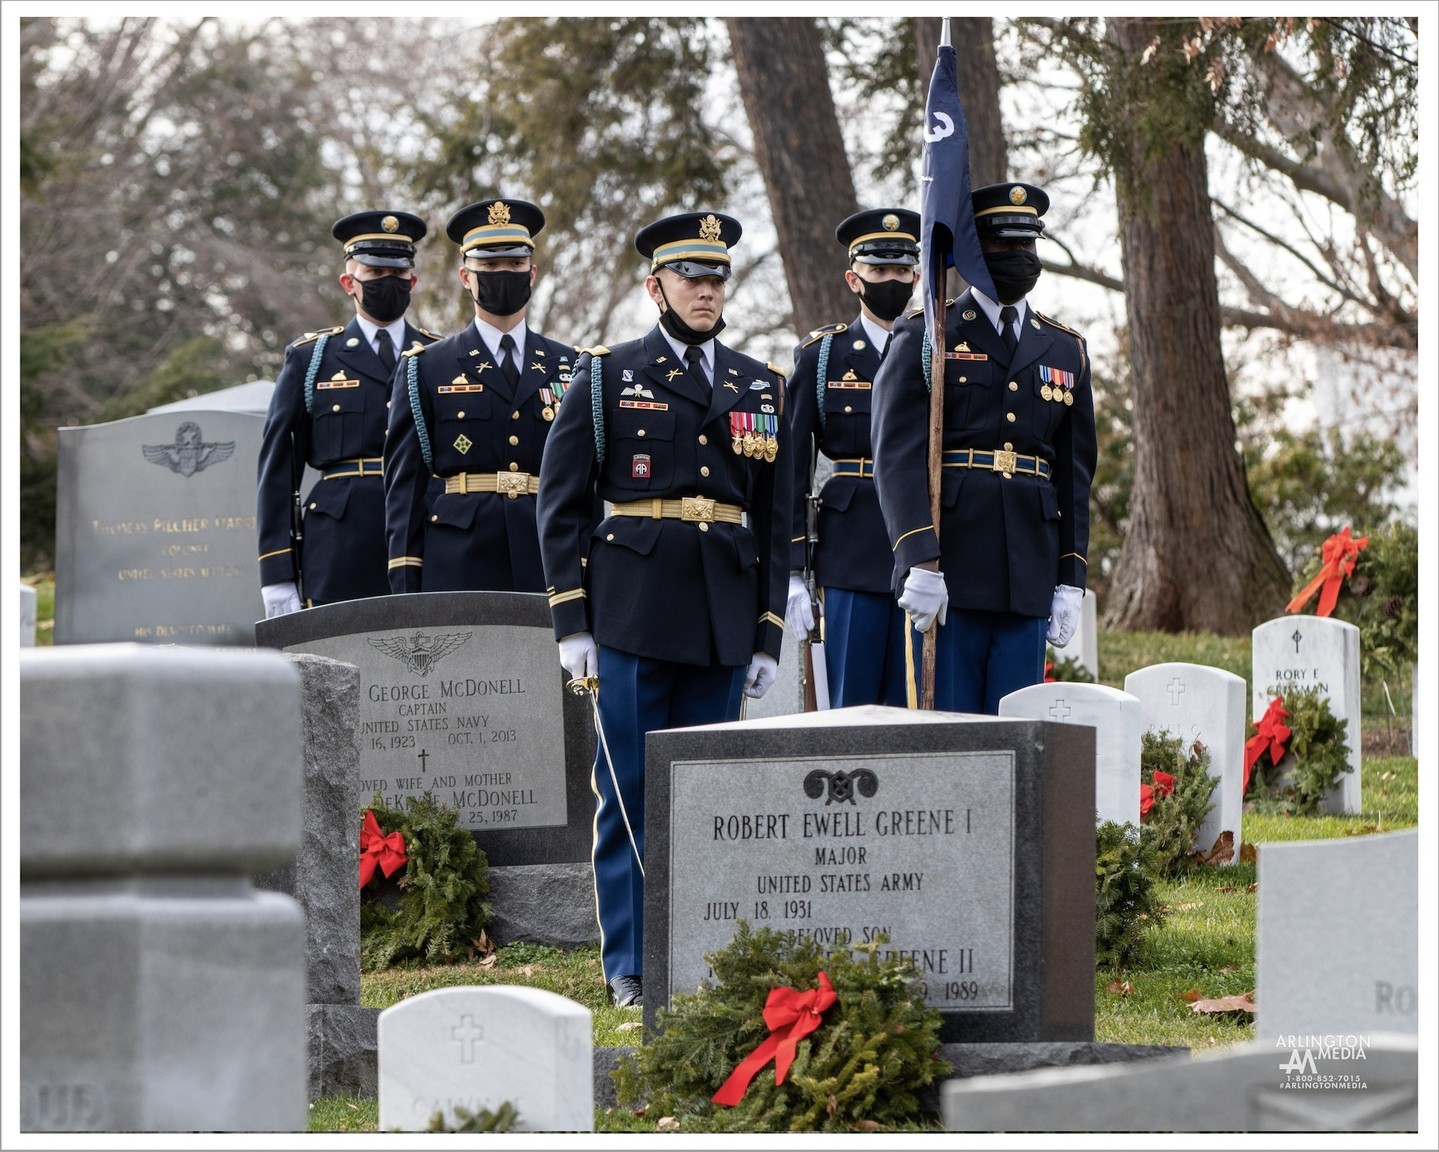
x: 421, y: 652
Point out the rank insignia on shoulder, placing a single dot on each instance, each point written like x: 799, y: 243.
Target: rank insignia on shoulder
x: 308, y: 337
x: 597, y: 350
x: 431, y: 335
x: 776, y: 370
x: 1056, y: 324
x: 826, y: 330
x: 913, y: 312
x: 414, y: 349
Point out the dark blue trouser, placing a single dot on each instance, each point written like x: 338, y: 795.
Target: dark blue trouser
x: 864, y: 648
x: 637, y: 696
x: 981, y: 657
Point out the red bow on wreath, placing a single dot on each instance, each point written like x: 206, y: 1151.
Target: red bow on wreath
x: 1163, y: 786
x: 791, y: 1017
x: 1340, y: 554
x: 1269, y: 737
x: 387, y: 853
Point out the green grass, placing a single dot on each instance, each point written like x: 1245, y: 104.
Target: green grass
x: 1204, y: 949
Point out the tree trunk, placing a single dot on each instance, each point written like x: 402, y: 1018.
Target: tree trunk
x: 784, y: 82
x: 1196, y: 553
x: 977, y: 78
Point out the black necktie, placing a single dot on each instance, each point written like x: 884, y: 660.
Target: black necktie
x: 888, y: 340
x: 695, y: 359
x: 507, y: 361
x: 1007, y: 317
x: 386, y: 350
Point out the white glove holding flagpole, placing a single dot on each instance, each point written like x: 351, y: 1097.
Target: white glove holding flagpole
x: 925, y: 598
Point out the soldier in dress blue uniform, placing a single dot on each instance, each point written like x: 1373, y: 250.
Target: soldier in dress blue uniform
x: 328, y: 410
x: 474, y: 410
x: 673, y: 601
x: 830, y: 397
x: 1007, y: 569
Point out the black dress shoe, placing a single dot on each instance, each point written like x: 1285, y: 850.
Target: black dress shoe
x: 626, y: 992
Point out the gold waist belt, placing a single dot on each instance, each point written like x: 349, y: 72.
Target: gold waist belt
x: 512, y: 484
x: 699, y: 509
x: 1010, y: 463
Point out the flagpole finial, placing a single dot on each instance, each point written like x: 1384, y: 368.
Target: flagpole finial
x: 944, y: 32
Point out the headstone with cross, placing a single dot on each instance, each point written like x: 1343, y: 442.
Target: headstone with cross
x: 456, y: 1051
x: 1114, y: 716
x: 1197, y: 703
x: 1293, y: 653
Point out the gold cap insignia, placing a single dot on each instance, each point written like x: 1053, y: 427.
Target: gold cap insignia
x: 891, y: 222
x: 710, y: 228
x: 390, y: 224
x: 499, y: 213
x: 1016, y: 195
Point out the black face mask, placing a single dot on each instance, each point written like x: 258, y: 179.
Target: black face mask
x: 502, y: 293
x: 671, y: 323
x: 385, y: 299
x: 886, y: 298
x: 1014, y: 274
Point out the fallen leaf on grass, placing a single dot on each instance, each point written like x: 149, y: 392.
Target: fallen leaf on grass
x: 1191, y: 996
x: 1230, y: 968
x: 1221, y: 853
x: 1190, y: 907
x: 868, y: 1125
x: 484, y: 945
x: 490, y: 961
x: 1244, y: 1002
x: 1254, y: 887
x: 527, y: 970
x: 632, y: 1026
x: 1120, y: 988
x: 1248, y: 854
x: 668, y: 1124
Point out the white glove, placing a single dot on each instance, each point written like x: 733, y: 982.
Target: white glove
x: 579, y: 656
x: 1064, y: 614
x: 280, y: 599
x: 762, y: 670
x: 925, y: 598
x: 798, y: 609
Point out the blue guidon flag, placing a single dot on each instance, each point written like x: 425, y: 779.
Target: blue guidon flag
x: 947, y: 236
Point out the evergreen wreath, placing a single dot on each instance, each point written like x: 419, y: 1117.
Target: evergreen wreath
x: 1315, y: 756
x: 1126, y: 905
x: 861, y: 1069
x: 1171, y: 825
x: 441, y: 910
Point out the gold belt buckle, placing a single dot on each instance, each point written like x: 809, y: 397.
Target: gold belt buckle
x: 700, y: 508
x: 1005, y: 462
x: 512, y: 483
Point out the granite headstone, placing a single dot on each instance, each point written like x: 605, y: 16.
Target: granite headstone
x: 476, y: 1048
x: 28, y: 599
x: 1114, y: 716
x: 1293, y: 653
x: 155, y: 530
x: 1337, y: 941
x: 1197, y: 703
x: 1247, y: 1087
x: 462, y: 696
x: 967, y: 841
x: 162, y: 991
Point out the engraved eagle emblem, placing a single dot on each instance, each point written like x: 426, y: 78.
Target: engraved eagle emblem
x: 420, y: 653
x: 190, y: 453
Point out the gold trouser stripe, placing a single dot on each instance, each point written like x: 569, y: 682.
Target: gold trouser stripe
x: 407, y: 562
x: 277, y: 552
x: 693, y: 508
x: 511, y: 483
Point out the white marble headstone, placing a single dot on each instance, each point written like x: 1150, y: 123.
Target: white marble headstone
x: 27, y: 616
x: 1196, y: 702
x: 476, y: 1048
x: 1114, y: 716
x: 1337, y: 937
x: 1293, y: 653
